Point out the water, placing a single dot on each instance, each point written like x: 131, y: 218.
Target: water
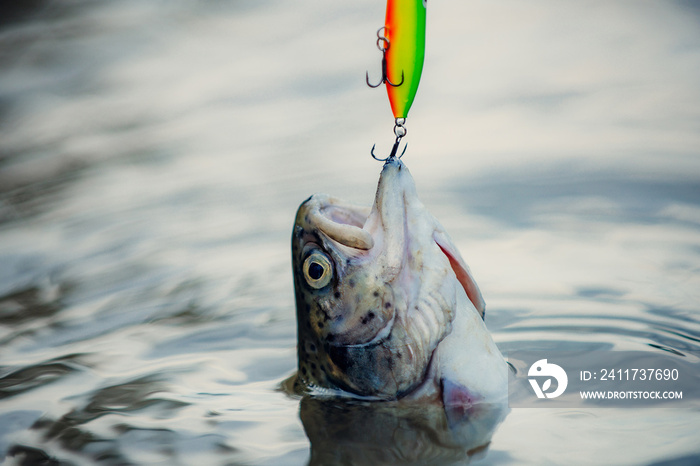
x: 152, y: 156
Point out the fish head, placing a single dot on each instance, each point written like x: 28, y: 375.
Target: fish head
x: 375, y: 289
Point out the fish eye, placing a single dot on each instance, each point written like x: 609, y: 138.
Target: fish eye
x: 318, y: 270
x: 425, y: 3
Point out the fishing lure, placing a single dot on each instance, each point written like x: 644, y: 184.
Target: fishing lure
x: 402, y: 43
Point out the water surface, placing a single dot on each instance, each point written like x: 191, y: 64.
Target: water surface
x: 152, y: 156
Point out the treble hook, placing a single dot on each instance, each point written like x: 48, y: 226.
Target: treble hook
x: 399, y: 131
x: 383, y: 46
x: 394, y: 150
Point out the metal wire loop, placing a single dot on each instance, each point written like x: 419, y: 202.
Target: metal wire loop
x: 382, y: 42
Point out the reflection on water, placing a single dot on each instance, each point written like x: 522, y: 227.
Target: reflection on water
x: 36, y: 375
x: 386, y: 433
x: 152, y: 156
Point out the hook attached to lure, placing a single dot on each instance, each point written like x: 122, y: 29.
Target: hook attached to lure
x: 383, y: 46
x: 399, y: 131
x: 402, y: 43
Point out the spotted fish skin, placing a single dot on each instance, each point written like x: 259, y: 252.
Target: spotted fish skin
x: 386, y: 306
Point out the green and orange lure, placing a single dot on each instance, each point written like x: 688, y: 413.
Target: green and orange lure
x: 402, y: 43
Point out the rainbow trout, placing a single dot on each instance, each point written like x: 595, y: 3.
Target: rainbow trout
x: 387, y: 309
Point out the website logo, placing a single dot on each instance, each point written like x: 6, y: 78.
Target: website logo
x: 541, y: 369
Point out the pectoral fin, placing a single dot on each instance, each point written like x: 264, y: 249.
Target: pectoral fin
x: 461, y: 270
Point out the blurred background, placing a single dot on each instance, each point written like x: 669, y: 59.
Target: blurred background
x: 153, y: 154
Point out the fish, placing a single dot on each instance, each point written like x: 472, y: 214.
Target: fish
x: 387, y: 308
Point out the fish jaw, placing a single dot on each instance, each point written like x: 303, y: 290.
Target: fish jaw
x: 387, y: 220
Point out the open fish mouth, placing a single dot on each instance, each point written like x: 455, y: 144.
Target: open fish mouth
x: 340, y: 221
